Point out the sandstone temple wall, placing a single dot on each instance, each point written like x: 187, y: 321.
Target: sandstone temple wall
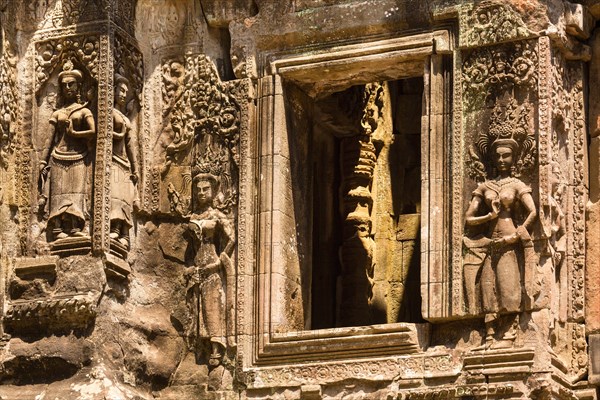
x: 300, y: 199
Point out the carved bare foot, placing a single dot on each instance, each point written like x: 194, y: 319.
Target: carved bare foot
x: 215, y: 359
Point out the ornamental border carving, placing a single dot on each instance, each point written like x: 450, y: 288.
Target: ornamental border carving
x: 385, y: 369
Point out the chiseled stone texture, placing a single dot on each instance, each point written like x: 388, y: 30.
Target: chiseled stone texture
x: 299, y: 199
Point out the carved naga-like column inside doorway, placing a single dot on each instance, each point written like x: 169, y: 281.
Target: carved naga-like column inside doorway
x: 358, y: 160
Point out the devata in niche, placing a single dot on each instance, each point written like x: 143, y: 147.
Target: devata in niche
x: 124, y: 175
x: 212, y: 243
x: 501, y: 214
x: 65, y: 162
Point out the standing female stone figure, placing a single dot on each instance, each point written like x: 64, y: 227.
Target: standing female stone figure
x: 65, y: 162
x: 124, y: 174
x: 212, y: 245
x: 498, y: 255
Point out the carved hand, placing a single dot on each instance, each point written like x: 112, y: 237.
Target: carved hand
x: 495, y: 209
x: 195, y: 229
x: 134, y: 178
x: 44, y: 169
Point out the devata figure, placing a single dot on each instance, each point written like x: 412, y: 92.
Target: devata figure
x: 212, y: 246
x: 495, y: 261
x: 65, y: 162
x: 124, y: 174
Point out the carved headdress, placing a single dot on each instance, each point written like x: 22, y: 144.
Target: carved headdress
x: 208, y: 167
x: 69, y: 70
x: 509, y: 127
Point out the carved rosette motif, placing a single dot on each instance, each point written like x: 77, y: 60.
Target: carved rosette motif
x: 490, y: 23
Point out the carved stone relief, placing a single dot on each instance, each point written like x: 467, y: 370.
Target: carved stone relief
x: 491, y: 23
x: 8, y: 107
x: 356, y: 252
x: 201, y: 119
x: 508, y: 149
x: 65, y: 164
x: 138, y: 258
x: 53, y: 53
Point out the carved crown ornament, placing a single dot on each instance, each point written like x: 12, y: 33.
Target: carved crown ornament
x: 510, y: 123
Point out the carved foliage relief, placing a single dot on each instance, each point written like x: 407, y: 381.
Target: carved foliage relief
x: 8, y: 105
x: 490, y: 71
x: 201, y: 127
x: 52, y: 53
x: 61, y: 13
x: 491, y: 23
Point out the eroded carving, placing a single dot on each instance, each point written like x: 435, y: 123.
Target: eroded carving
x: 491, y: 23
x: 498, y: 244
x: 202, y: 116
x: 490, y: 71
x: 212, y: 243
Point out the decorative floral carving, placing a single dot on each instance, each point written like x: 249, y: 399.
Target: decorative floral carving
x: 491, y: 23
x: 579, y: 355
x: 460, y: 391
x: 8, y: 106
x: 492, y: 70
x: 569, y: 140
x: 378, y: 369
x: 51, y: 53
